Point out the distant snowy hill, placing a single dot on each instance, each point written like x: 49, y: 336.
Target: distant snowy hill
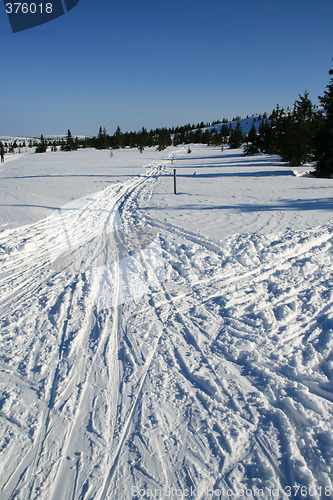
x: 10, y: 139
x: 63, y: 136
x: 245, y: 123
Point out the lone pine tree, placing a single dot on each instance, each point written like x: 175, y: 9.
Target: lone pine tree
x: 252, y: 146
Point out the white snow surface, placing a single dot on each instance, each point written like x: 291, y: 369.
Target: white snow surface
x: 207, y: 369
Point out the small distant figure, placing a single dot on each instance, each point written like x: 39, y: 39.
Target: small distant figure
x: 194, y: 173
x: 2, y: 154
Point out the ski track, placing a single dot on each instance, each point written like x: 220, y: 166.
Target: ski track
x: 220, y: 377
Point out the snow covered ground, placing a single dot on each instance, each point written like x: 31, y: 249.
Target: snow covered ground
x: 227, y: 193
x: 34, y: 186
x: 207, y: 369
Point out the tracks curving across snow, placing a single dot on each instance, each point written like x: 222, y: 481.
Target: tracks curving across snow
x: 217, y: 374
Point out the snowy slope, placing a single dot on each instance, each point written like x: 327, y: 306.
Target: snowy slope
x: 210, y: 369
x: 245, y: 123
x: 256, y: 120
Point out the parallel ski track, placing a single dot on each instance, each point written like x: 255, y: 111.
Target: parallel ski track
x: 28, y: 286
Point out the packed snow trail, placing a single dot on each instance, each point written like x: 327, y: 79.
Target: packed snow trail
x: 213, y: 372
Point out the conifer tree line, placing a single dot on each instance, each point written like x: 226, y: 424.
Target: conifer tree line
x: 160, y: 138
x: 301, y: 135
x: 11, y: 146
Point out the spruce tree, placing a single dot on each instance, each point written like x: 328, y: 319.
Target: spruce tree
x: 42, y: 146
x: 324, y: 137
x: 118, y: 138
x: 102, y: 139
x: 252, y: 146
x: 69, y: 144
x: 225, y: 131
x: 198, y: 136
x: 236, y: 137
x: 295, y: 130
x: 164, y: 139
x: 268, y: 133
x: 252, y: 135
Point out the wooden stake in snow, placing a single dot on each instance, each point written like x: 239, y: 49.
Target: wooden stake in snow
x: 174, y: 181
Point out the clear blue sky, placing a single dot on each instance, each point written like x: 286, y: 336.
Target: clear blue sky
x: 161, y: 63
